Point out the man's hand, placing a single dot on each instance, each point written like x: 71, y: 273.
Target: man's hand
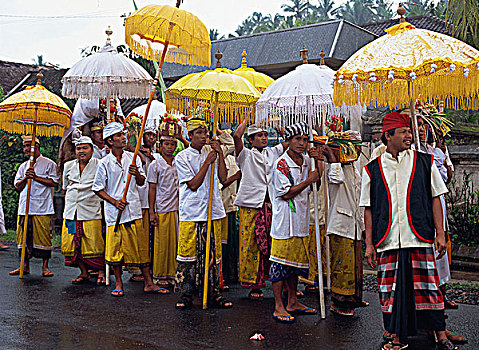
x: 279, y: 130
x: 30, y: 173
x: 440, y: 244
x: 371, y: 256
x: 153, y: 219
x: 329, y: 153
x: 211, y: 157
x: 215, y: 144
x: 120, y: 205
x: 313, y: 176
x: 133, y: 170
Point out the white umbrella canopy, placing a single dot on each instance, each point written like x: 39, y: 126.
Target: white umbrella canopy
x: 287, y: 100
x: 106, y: 74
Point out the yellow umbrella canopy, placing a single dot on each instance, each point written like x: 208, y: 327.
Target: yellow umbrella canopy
x: 410, y: 63
x: 196, y: 94
x: 20, y: 111
x: 150, y: 28
x: 259, y: 80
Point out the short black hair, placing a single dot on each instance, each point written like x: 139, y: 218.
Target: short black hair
x: 384, y: 140
x: 89, y: 144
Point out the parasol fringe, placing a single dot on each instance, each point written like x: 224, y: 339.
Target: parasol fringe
x: 76, y: 87
x: 454, y: 88
x: 191, y: 53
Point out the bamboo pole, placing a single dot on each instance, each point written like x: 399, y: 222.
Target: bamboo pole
x: 412, y: 111
x: 29, y: 190
x: 210, y: 212
x: 316, y: 219
x: 143, y: 122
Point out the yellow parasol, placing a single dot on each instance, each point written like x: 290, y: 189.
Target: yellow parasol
x: 162, y: 32
x: 231, y: 98
x: 39, y: 112
x: 410, y: 63
x: 259, y: 80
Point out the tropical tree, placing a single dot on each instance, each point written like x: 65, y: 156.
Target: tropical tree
x: 419, y: 7
x: 355, y: 12
x: 383, y: 10
x: 326, y: 9
x: 463, y: 16
x: 298, y: 8
x: 215, y: 35
x: 39, y: 60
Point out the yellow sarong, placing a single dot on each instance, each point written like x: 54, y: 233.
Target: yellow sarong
x: 291, y: 252
x: 249, y: 254
x: 92, y: 243
x: 164, y: 258
x: 187, y: 241
x: 312, y: 254
x: 42, y: 237
x: 122, y: 246
x: 346, y: 271
x: 224, y: 230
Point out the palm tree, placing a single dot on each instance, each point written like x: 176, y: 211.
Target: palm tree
x: 299, y: 8
x: 39, y: 60
x: 355, y: 12
x: 419, y: 7
x: 215, y: 35
x: 326, y: 9
x: 383, y: 10
x: 463, y: 15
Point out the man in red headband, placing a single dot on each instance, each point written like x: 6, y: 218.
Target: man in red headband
x: 403, y: 217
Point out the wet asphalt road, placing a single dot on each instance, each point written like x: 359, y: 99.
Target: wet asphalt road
x: 51, y: 313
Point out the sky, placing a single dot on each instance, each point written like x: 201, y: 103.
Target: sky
x: 30, y: 27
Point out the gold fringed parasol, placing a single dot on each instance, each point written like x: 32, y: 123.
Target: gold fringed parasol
x: 259, y: 80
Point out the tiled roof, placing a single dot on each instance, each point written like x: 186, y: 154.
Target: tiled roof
x: 12, y: 73
x: 428, y: 22
x: 276, y: 53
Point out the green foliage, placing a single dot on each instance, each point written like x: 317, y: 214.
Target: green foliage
x: 464, y: 212
x: 11, y: 157
x: 463, y: 16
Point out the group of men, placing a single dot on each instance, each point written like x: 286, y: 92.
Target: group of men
x: 162, y: 231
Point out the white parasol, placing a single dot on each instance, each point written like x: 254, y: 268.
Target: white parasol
x: 157, y: 111
x: 106, y: 74
x: 305, y: 94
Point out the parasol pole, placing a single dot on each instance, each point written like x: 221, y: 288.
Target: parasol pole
x: 210, y: 213
x: 324, y: 182
x: 29, y: 189
x: 143, y: 122
x: 316, y: 218
x: 412, y: 110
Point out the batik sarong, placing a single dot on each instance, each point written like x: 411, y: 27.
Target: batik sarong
x: 39, y: 236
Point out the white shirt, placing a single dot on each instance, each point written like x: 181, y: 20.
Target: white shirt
x: 256, y: 174
x: 111, y: 177
x: 345, y: 217
x: 80, y: 200
x: 397, y: 174
x: 286, y: 223
x: 2, y: 217
x: 194, y: 204
x: 228, y: 194
x: 143, y: 190
x: 41, y: 197
x: 99, y: 152
x: 166, y: 179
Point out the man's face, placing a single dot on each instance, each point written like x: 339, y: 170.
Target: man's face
x: 198, y: 137
x: 84, y: 152
x: 27, y: 146
x: 118, y: 140
x: 149, y: 139
x: 168, y: 147
x: 421, y: 127
x: 401, y: 140
x: 260, y: 139
x: 97, y: 137
x: 298, y: 144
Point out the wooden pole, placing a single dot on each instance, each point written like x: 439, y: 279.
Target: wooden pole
x: 316, y: 219
x: 29, y: 190
x: 412, y: 110
x: 143, y: 122
x: 210, y: 212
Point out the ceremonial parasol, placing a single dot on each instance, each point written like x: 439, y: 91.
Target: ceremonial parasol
x: 408, y: 64
x: 157, y: 111
x: 164, y: 33
x: 305, y: 94
x: 231, y: 98
x: 259, y: 80
x: 39, y: 112
x: 106, y: 74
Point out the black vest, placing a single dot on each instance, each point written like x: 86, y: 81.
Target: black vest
x: 418, y: 202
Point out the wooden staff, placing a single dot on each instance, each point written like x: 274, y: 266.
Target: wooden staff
x: 29, y: 190
x: 209, y: 224
x: 143, y: 122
